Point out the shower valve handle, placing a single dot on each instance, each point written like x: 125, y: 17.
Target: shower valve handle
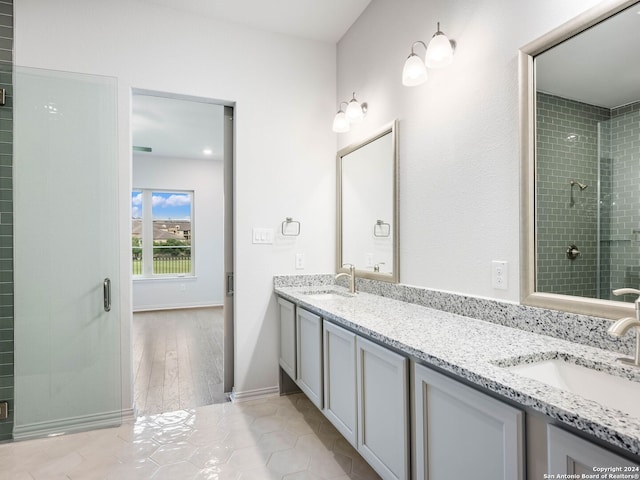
x: 572, y: 252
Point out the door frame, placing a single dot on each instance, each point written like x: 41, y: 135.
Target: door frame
x: 229, y: 222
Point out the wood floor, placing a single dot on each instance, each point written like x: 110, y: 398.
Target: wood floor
x: 177, y: 359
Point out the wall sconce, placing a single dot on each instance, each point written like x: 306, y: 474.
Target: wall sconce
x: 439, y: 53
x: 354, y: 113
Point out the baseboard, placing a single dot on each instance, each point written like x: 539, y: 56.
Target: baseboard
x: 153, y: 308
x: 72, y: 424
x: 237, y: 397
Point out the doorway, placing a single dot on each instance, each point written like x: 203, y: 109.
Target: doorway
x: 182, y: 260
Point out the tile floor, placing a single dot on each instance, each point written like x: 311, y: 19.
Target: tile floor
x: 274, y: 438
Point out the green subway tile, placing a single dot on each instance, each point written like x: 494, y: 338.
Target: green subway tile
x: 6, y: 171
x: 6, y: 276
x: 6, y: 32
x: 5, y: 252
x: 6, y: 393
x: 6, y: 322
x: 6, y: 358
x: 6, y: 334
x: 6, y: 370
x: 7, y: 218
x: 6, y: 381
x: 6, y: 429
x: 6, y: 301
x: 6, y: 311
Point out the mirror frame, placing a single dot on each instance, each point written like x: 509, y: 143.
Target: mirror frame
x: 395, y: 275
x: 527, y: 94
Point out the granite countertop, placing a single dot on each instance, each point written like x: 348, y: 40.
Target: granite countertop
x: 476, y: 350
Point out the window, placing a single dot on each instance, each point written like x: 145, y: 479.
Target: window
x: 161, y: 232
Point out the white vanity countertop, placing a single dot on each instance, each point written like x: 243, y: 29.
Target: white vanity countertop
x: 473, y: 349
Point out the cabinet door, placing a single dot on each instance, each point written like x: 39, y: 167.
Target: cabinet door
x: 309, y: 355
x: 570, y: 454
x: 456, y: 422
x: 383, y: 435
x: 340, y: 380
x: 287, y: 337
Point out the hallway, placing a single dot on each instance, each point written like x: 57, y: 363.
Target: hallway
x: 177, y: 359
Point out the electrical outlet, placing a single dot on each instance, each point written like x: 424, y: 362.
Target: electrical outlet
x: 499, y: 275
x: 299, y: 261
x: 4, y: 410
x: 368, y: 259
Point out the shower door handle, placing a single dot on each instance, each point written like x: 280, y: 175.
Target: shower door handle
x: 230, y: 286
x: 106, y: 294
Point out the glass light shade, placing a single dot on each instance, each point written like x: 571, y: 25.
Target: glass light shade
x: 340, y: 123
x: 354, y: 111
x: 439, y: 51
x: 414, y: 71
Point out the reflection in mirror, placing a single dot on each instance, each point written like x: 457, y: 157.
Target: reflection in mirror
x: 582, y: 189
x: 367, y: 207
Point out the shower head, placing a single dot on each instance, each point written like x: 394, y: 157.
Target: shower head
x: 581, y: 185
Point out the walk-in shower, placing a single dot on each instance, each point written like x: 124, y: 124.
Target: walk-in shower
x: 580, y: 146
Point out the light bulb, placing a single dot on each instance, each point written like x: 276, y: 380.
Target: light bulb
x: 340, y: 122
x: 439, y: 51
x: 414, y: 71
x: 354, y: 110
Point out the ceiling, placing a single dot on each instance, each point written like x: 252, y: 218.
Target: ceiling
x: 325, y: 20
x: 177, y: 128
x: 182, y: 128
x: 600, y: 66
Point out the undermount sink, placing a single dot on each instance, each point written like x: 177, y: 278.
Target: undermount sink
x: 328, y: 294
x: 607, y: 389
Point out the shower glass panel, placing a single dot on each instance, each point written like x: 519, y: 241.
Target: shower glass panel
x: 67, y: 345
x: 588, y: 196
x: 619, y: 206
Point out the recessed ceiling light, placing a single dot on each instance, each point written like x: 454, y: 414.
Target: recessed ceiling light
x: 207, y: 151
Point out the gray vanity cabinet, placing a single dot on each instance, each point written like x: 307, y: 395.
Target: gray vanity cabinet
x: 569, y: 454
x: 340, y: 401
x: 453, y: 421
x: 287, y: 337
x: 383, y: 422
x: 309, y: 355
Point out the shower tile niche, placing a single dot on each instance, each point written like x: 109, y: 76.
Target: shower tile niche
x: 597, y: 147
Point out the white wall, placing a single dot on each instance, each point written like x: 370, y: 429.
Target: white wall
x: 284, y: 89
x: 459, y: 144
x: 205, y: 179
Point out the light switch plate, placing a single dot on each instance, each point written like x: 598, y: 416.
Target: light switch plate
x: 299, y: 261
x: 262, y: 235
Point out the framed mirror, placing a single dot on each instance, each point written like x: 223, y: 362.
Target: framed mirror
x: 367, y: 206
x: 580, y: 186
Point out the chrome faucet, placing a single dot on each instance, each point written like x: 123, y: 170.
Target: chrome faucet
x: 351, y: 275
x: 622, y: 326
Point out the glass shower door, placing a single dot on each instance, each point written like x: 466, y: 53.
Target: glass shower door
x: 67, y: 322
